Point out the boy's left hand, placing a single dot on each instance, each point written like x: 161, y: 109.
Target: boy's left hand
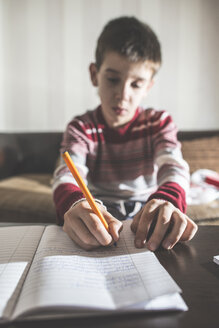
x: 171, y: 225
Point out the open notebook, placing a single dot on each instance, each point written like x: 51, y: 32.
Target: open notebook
x: 44, y: 273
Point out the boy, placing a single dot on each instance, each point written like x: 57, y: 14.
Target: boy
x: 129, y: 156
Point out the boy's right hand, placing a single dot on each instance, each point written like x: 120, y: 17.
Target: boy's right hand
x: 84, y: 227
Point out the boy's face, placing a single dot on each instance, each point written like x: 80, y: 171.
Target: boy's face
x: 122, y: 85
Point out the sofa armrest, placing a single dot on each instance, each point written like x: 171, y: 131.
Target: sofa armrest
x: 10, y: 155
x: 28, y: 152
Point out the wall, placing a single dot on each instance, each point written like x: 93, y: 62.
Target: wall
x: 46, y: 47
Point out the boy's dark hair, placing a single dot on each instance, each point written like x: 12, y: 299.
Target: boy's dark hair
x: 130, y: 38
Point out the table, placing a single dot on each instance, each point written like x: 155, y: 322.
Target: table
x: 191, y: 266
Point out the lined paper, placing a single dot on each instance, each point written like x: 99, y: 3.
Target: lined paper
x: 64, y: 275
x: 17, y: 247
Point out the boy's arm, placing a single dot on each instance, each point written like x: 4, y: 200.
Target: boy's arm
x: 79, y: 222
x: 65, y: 189
x: 173, y: 176
x: 163, y: 219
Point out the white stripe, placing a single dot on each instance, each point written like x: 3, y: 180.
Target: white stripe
x: 93, y: 130
x: 64, y: 179
x: 171, y: 156
x: 139, y: 189
x: 145, y: 126
x: 181, y: 181
x: 141, y: 127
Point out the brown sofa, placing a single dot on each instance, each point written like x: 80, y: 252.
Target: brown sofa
x: 27, y: 161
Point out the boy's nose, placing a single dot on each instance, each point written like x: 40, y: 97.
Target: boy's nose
x: 122, y: 92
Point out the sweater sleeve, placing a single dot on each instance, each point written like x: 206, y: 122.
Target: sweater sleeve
x: 173, y: 193
x: 172, y: 170
x: 65, y: 188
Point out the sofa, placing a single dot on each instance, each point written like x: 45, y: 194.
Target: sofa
x: 27, y: 162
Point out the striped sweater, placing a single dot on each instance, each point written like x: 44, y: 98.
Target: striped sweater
x: 139, y: 161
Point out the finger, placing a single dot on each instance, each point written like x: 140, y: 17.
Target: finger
x: 147, y: 215
x: 115, y: 226
x: 178, y: 228
x: 78, y: 232
x: 149, y: 207
x: 93, y: 222
x: 184, y: 229
x: 80, y: 243
x: 162, y: 224
x: 137, y: 217
x: 190, y: 230
x: 135, y: 221
x: 97, y: 229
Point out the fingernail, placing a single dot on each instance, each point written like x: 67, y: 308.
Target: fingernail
x: 167, y: 245
x: 152, y: 246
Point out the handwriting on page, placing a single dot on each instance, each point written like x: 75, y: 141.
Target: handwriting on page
x: 90, y: 282
x: 62, y: 274
x: 109, y: 273
x: 103, y: 278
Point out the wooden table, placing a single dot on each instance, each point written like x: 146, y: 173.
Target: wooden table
x: 191, y: 265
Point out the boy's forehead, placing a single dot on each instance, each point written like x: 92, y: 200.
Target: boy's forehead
x: 118, y: 64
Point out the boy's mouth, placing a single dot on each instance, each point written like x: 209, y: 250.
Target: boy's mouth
x: 119, y: 110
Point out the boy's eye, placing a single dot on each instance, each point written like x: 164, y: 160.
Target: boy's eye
x: 113, y: 80
x: 136, y: 85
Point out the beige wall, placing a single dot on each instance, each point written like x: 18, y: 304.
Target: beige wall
x: 46, y: 47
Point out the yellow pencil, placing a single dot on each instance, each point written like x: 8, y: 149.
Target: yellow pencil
x: 83, y: 188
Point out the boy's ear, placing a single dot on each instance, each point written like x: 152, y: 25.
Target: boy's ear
x: 93, y: 74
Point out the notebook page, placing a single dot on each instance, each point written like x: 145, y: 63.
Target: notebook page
x: 64, y: 275
x: 156, y: 279
x: 17, y: 247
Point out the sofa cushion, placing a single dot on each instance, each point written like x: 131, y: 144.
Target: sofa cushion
x: 27, y: 198
x: 202, y: 153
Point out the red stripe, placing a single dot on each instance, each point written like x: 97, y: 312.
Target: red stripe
x: 173, y: 193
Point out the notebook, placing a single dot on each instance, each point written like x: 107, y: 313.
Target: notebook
x: 43, y: 273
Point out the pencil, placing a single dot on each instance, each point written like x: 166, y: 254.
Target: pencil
x: 69, y: 162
